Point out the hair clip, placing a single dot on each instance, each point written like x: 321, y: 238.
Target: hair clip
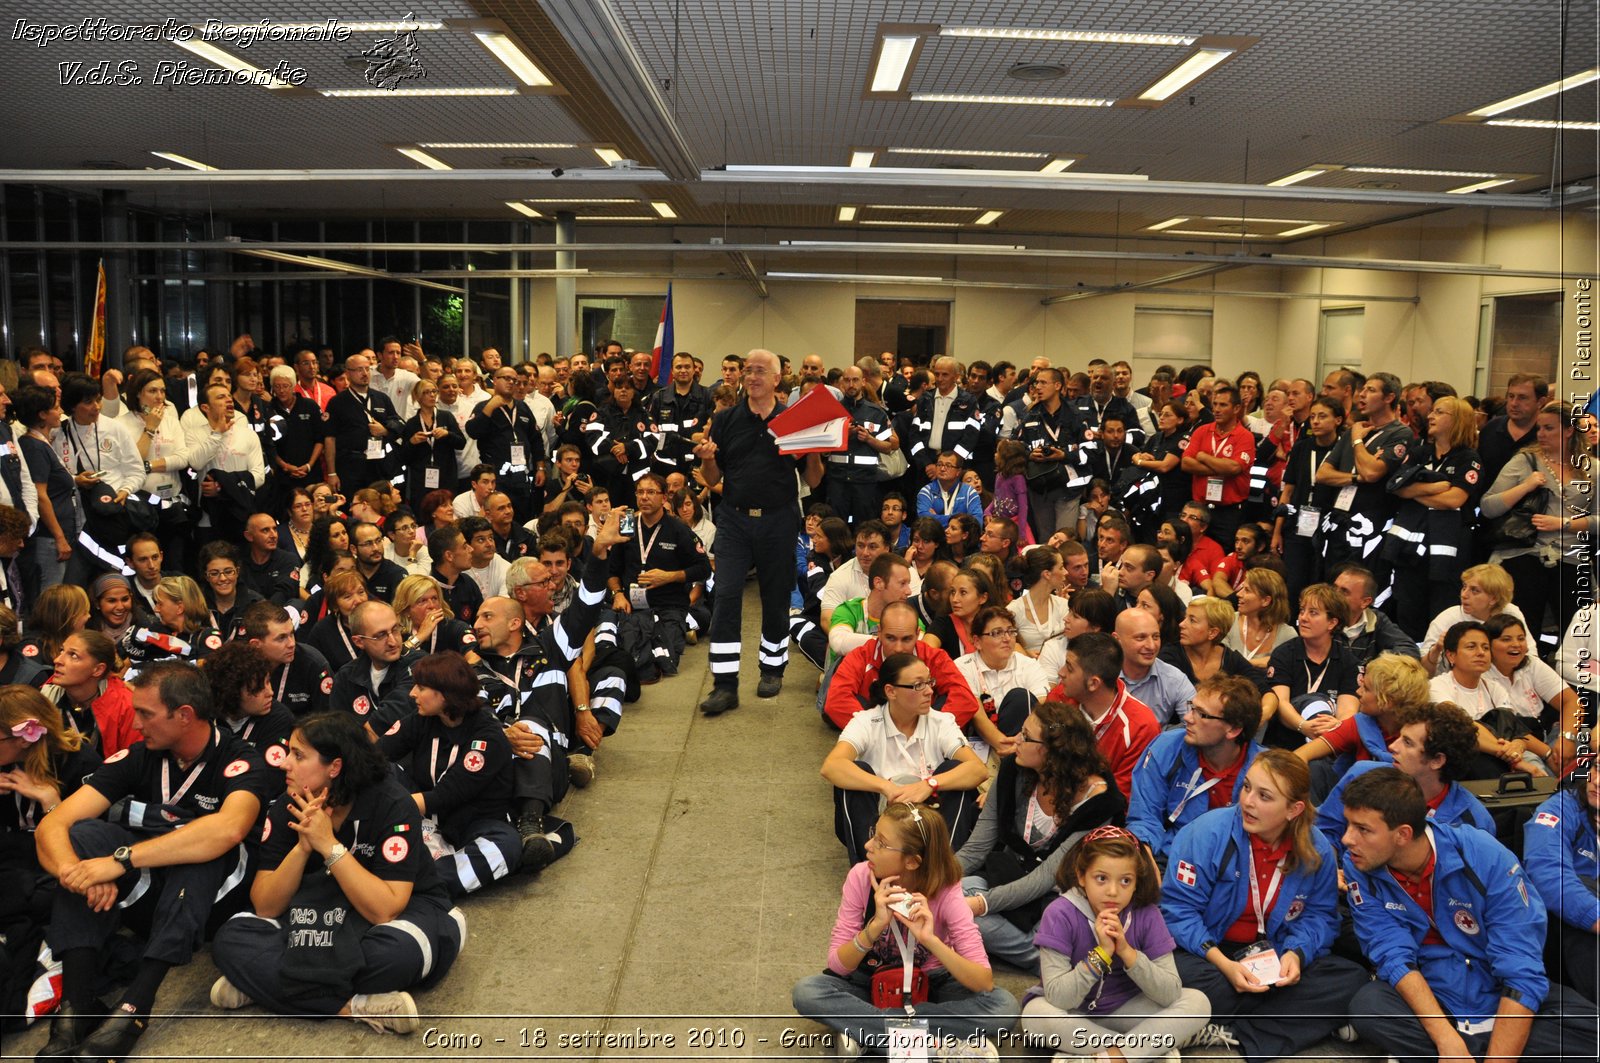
x: 1107, y: 831
x: 916, y: 816
x: 29, y: 730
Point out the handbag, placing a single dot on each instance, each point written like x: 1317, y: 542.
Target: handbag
x: 892, y: 465
x: 1514, y: 528
x: 1045, y: 475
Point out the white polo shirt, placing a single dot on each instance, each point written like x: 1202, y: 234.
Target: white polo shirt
x: 876, y: 740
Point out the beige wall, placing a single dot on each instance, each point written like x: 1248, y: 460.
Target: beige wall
x: 1436, y: 337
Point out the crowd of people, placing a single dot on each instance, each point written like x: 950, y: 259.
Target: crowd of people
x: 1166, y: 696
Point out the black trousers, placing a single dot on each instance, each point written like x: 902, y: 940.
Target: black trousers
x: 1564, y: 1026
x: 1281, y: 1021
x: 855, y: 813
x: 766, y: 544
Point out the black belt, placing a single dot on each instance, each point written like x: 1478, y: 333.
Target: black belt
x: 756, y: 512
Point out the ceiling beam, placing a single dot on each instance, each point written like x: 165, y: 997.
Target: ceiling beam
x: 597, y: 36
x: 1171, y: 278
x: 505, y: 175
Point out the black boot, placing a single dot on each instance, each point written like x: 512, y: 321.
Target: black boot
x: 115, y: 1038
x: 537, y: 852
x: 67, y: 1031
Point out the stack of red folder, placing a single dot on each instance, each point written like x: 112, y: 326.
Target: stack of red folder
x: 815, y: 424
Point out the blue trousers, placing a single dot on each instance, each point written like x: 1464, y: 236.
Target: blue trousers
x: 845, y: 1004
x: 1564, y: 1026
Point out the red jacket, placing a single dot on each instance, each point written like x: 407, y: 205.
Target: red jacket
x: 1122, y: 733
x: 113, y: 714
x: 858, y: 669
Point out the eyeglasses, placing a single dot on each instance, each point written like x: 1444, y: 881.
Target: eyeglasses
x: 1001, y: 633
x: 379, y: 636
x: 877, y: 842
x: 1195, y: 710
x: 221, y: 573
x: 920, y: 686
x: 1025, y: 737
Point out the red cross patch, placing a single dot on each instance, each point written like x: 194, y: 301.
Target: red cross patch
x: 1472, y: 476
x: 1186, y: 873
x: 473, y: 761
x: 214, y: 641
x: 1547, y: 819
x: 395, y: 849
x: 1295, y: 911
x: 327, y: 684
x: 1464, y: 921
x: 238, y: 767
x: 118, y: 755
x: 275, y: 755
x: 394, y: 729
x: 361, y: 705
x: 266, y: 828
x: 30, y: 650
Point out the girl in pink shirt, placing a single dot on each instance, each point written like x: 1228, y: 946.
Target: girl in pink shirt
x: 907, y: 894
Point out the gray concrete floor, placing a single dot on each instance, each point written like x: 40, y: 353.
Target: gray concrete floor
x: 704, y: 885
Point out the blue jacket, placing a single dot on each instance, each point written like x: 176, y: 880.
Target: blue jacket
x: 1161, y: 782
x: 1492, y: 923
x: 930, y: 503
x: 1459, y: 807
x: 1560, y: 846
x: 1207, y: 885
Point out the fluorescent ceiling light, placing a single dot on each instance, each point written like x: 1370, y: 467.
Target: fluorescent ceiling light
x: 1191, y: 69
x: 963, y: 153
x: 1030, y: 101
x: 1417, y: 173
x: 1221, y: 235
x: 914, y: 206
x: 385, y: 94
x: 861, y: 160
x: 490, y: 146
x: 516, y: 60
x: 418, y: 155
x: 1256, y: 221
x: 628, y: 217
x: 663, y: 209
x: 182, y: 160
x: 353, y: 27
x: 579, y: 202
x: 1311, y: 228
x: 1013, y: 33
x: 523, y: 208
x: 1480, y: 186
x: 1056, y: 165
x: 1511, y: 104
x: 989, y: 217
x: 1296, y: 177
x: 1169, y: 223
x: 852, y: 277
x: 217, y: 57
x: 609, y: 156
x: 1541, y: 123
x: 894, y: 62
x: 847, y: 214
x: 920, y: 224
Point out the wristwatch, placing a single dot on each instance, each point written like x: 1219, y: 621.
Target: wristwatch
x: 583, y: 708
x: 124, y: 856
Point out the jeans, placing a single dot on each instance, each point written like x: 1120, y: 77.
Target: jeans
x: 845, y: 1004
x: 1002, y: 939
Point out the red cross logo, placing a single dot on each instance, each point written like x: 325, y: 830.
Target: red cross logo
x: 1186, y: 873
x: 473, y: 761
x: 395, y: 849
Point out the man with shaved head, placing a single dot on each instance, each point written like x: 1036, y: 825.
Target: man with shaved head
x: 362, y: 428
x: 376, y: 683
x: 524, y: 679
x: 756, y: 528
x: 1155, y: 682
x: 853, y: 488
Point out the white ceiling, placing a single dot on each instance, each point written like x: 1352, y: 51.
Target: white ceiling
x: 782, y: 82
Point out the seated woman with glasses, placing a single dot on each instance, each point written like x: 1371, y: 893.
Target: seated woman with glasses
x: 903, y: 933
x: 1006, y: 682
x: 904, y: 750
x: 1045, y: 797
x: 226, y: 601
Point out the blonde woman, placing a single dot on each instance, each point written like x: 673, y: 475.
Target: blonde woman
x: 1262, y: 624
x: 426, y: 622
x: 182, y: 628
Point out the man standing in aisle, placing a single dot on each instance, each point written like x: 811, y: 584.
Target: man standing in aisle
x: 757, y: 525
x: 1359, y: 467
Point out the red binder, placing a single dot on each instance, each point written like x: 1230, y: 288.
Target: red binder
x: 815, y: 424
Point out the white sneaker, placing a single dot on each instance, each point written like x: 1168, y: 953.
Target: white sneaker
x: 460, y: 919
x: 580, y: 768
x: 224, y: 994
x: 969, y: 1050
x: 1346, y: 1033
x: 848, y: 1047
x: 393, y: 1012
x: 1214, y: 1035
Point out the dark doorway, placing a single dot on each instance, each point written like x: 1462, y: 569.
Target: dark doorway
x: 596, y: 326
x: 920, y: 343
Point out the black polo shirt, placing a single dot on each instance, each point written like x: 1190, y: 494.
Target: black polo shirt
x: 754, y: 474
x: 269, y: 733
x: 383, y: 582
x: 305, y: 682
x: 297, y: 430
x: 670, y: 546
x: 161, y: 796
x: 277, y: 579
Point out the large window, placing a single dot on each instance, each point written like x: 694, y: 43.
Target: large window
x: 1174, y: 336
x: 1341, y: 341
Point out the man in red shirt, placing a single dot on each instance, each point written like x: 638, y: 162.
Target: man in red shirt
x: 897, y: 633
x: 1123, y: 725
x: 1219, y: 456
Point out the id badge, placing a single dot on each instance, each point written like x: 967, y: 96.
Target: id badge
x: 1213, y: 489
x: 1306, y: 521
x: 1261, y: 960
x: 638, y: 597
x: 430, y: 478
x: 910, y: 1040
x: 519, y: 455
x: 374, y: 449
x: 165, y: 492
x: 1345, y: 499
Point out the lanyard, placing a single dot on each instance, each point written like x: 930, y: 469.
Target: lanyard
x: 516, y: 676
x: 83, y: 451
x: 1218, y: 440
x: 167, y: 796
x: 433, y: 443
x: 282, y: 683
x: 1191, y: 790
x: 949, y: 499
x: 906, y: 943
x: 1263, y: 906
x: 1053, y: 433
x: 511, y: 414
x: 644, y: 546
x: 1315, y: 463
x: 1253, y: 651
x: 338, y: 625
x: 433, y: 761
x: 1111, y: 714
x: 1315, y: 686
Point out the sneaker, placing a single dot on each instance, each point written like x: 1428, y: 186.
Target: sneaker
x: 848, y: 1048
x: 580, y: 768
x: 392, y: 1012
x: 691, y: 636
x: 224, y: 994
x: 769, y: 686
x: 969, y: 1050
x: 460, y: 919
x: 1215, y: 1035
x: 1346, y: 1033
x: 721, y: 700
x: 537, y: 851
